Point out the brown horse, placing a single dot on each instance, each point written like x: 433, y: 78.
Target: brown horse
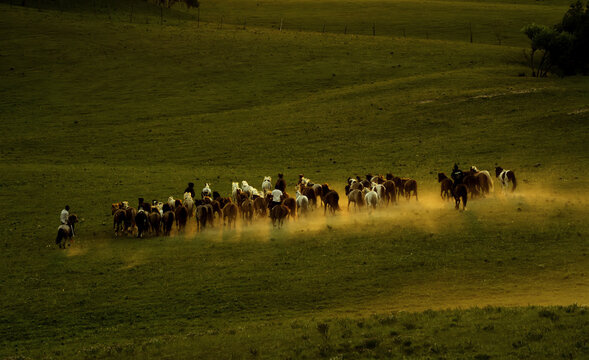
x: 247, y: 210
x: 311, y: 194
x: 230, y: 212
x: 410, y: 186
x: 260, y: 206
x: 278, y: 214
x: 460, y: 193
x: 291, y: 204
x: 155, y: 222
x: 65, y: 231
x: 445, y: 186
x: 168, y: 222
x: 181, y: 215
x: 119, y: 221
x: 390, y: 191
x: 201, y: 217
x: 356, y: 197
x: 330, y: 198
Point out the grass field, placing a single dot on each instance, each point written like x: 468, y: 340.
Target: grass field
x: 96, y: 110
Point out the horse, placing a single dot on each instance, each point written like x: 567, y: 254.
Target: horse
x: 65, y: 231
x: 142, y: 222
x: 234, y: 190
x: 371, y: 198
x: 217, y: 208
x: 310, y: 194
x: 168, y: 222
x: 260, y: 206
x: 189, y: 204
x: 445, y: 186
x: 171, y: 202
x: 485, y: 179
x: 248, y: 189
x: 267, y: 184
x: 291, y: 204
x: 380, y: 190
x: 302, y: 203
x: 278, y: 214
x: 460, y: 193
x: 181, y: 215
x: 201, y: 217
x: 119, y: 221
x: 247, y: 210
x: 355, y: 196
x: 206, y: 191
x: 330, y: 198
x: 378, y: 179
x: 390, y: 191
x: 505, y: 177
x: 230, y: 212
x: 409, y: 186
x: 155, y: 222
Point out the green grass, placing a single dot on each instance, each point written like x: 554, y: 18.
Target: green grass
x: 94, y: 111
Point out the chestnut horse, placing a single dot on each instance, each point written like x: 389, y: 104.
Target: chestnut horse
x: 445, y: 186
x: 278, y: 214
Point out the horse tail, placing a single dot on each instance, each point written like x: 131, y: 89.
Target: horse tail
x: 489, y: 180
x: 514, y: 181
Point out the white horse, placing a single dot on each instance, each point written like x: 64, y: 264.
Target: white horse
x: 171, y: 202
x: 380, y: 191
x: 267, y: 184
x: 371, y: 198
x: 206, y: 191
x: 302, y: 203
x: 247, y: 188
x: 189, y: 203
x: 234, y: 190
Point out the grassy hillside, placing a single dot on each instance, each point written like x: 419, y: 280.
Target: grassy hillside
x: 94, y: 111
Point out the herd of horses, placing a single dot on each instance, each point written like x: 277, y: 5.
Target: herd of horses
x: 247, y: 202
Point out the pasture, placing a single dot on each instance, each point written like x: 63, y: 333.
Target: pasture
x: 94, y: 111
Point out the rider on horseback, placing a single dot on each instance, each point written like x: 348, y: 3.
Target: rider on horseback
x: 457, y: 175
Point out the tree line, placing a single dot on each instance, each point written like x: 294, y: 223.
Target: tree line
x: 562, y: 49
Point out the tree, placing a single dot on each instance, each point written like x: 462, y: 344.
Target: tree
x: 564, y: 48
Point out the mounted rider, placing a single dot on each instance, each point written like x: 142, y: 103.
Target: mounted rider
x: 64, y: 219
x: 457, y: 176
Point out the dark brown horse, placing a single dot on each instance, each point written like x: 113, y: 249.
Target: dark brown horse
x: 168, y: 222
x: 390, y: 191
x: 410, y: 186
x: 460, y: 193
x: 142, y: 222
x: 445, y: 186
x: 181, y: 215
x: 330, y: 198
x: 280, y: 183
